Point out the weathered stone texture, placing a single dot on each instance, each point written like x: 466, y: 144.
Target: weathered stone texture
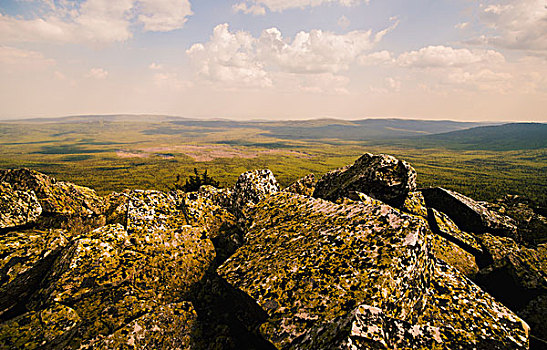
x: 383, y: 177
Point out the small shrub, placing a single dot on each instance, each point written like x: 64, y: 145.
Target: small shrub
x: 194, y: 182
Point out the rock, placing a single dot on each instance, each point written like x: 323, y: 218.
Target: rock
x: 252, y: 187
x: 64, y: 205
x: 381, y: 176
x: 219, y: 196
x: 458, y: 315
x: 304, y: 186
x: 17, y: 208
x: 454, y: 255
x: 55, y: 197
x: 34, y: 330
x: 110, y: 276
x: 307, y: 261
x: 441, y: 224
x: 116, y: 208
x: 532, y: 226
x: 207, y: 209
x: 26, y: 257
x: 517, y: 274
x: 415, y: 204
x: 359, y: 276
x: 535, y: 314
x: 168, y: 327
x: 469, y: 215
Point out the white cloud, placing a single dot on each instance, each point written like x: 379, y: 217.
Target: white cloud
x: 281, y: 5
x: 376, y: 58
x: 393, y: 84
x: 462, y: 25
x: 256, y: 10
x: 229, y: 57
x: 97, y: 73
x: 343, y: 22
x: 445, y: 56
x: 95, y: 21
x: 518, y: 24
x: 12, y: 59
x: 164, y: 15
x: 240, y: 58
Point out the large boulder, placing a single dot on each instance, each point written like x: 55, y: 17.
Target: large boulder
x: 304, y: 186
x: 359, y: 275
x: 517, y: 277
x: 468, y: 214
x: 26, y: 257
x: 532, y: 226
x: 383, y: 177
x: 252, y: 187
x: 307, y: 261
x: 458, y: 315
x: 119, y: 285
x: 517, y: 274
x: 17, y: 208
x: 64, y: 205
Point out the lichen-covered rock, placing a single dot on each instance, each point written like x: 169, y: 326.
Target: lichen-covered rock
x: 167, y: 327
x: 17, y: 208
x: 476, y: 319
x: 307, y: 261
x: 453, y: 255
x: 441, y: 224
x: 517, y: 274
x: 206, y: 209
x: 381, y: 176
x: 116, y: 208
x: 415, y: 204
x: 304, y: 186
x: 26, y: 257
x: 252, y: 187
x: 532, y: 227
x: 517, y: 277
x: 34, y: 330
x: 64, y: 205
x: 55, y: 197
x: 469, y: 215
x: 457, y: 315
x: 219, y: 196
x: 110, y: 276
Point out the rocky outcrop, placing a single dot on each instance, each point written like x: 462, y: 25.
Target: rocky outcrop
x: 250, y: 267
x: 252, y: 187
x: 64, y: 205
x: 304, y: 186
x: 17, y: 208
x: 383, y: 177
x: 359, y: 275
x: 469, y: 215
x: 531, y: 226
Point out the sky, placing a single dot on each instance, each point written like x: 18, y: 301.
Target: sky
x: 473, y: 60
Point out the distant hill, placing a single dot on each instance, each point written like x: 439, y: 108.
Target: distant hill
x: 320, y: 129
x: 313, y: 129
x: 507, y: 137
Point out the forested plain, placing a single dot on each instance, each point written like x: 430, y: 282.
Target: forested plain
x: 112, y: 153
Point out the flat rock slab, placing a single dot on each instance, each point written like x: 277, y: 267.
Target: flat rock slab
x: 469, y: 215
x: 458, y: 315
x: 307, y: 261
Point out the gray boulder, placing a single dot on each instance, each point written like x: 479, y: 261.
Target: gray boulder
x: 383, y: 177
